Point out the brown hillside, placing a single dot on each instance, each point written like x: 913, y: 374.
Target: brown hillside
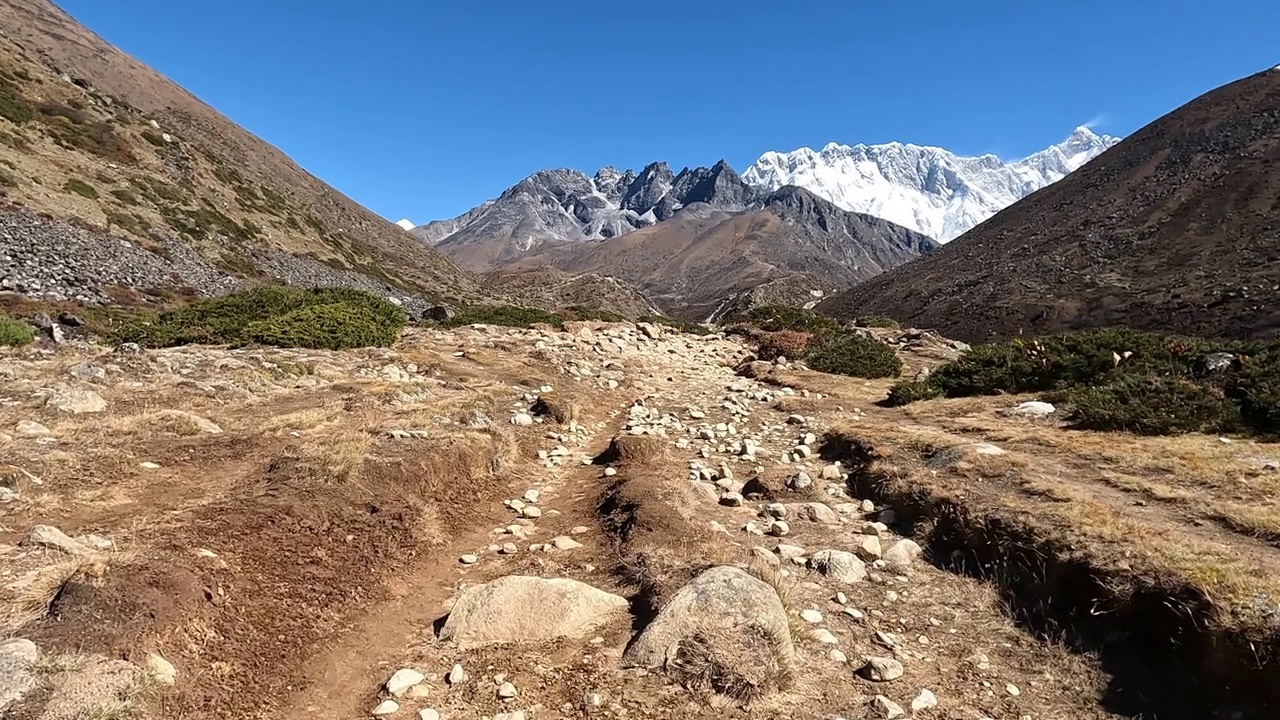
x: 702, y: 260
x: 1177, y: 228
x: 90, y: 134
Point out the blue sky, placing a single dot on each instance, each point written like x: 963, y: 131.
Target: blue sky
x: 425, y: 108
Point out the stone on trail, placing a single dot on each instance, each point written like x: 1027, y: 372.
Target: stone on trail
x: 867, y: 547
x: 51, y: 537
x: 507, y: 691
x: 75, y: 401
x: 881, y: 669
x: 403, y: 679
x: 902, y: 554
x: 1034, y: 408
x: 564, y: 542
x: 428, y: 714
x: 31, y: 428
x: 469, y: 559
x: 811, y: 616
x: 727, y: 624
x: 841, y: 566
x: 161, y: 670
x: 457, y: 675
x: 731, y: 499
x: 385, y: 708
x: 17, y: 670
x: 517, y: 609
x: 816, y: 512
x: 886, y: 708
x: 824, y: 636
x: 924, y: 701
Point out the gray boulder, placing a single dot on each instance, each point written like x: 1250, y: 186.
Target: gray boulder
x: 725, y: 631
x: 17, y: 674
x: 520, y: 609
x: 841, y: 566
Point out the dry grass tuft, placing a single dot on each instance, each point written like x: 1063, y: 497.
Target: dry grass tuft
x: 561, y: 409
x: 634, y: 451
x: 95, y: 688
x: 29, y: 598
x: 743, y: 665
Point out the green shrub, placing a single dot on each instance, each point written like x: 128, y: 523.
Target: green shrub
x: 1258, y: 392
x: 774, y: 318
x: 1152, y: 405
x: 790, y: 344
x: 335, y: 326
x: 153, y: 138
x: 81, y: 188
x: 506, y: 315
x: 15, y: 333
x: 877, y: 321
x: 856, y: 356
x: 905, y: 392
x: 13, y: 106
x: 581, y: 312
x: 682, y: 325
x: 125, y: 196
x: 273, y: 315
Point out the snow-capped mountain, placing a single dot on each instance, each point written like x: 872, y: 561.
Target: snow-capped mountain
x: 927, y: 189
x: 405, y: 224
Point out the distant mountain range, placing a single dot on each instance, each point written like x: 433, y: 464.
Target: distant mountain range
x: 688, y: 240
x: 1176, y: 228
x: 928, y: 189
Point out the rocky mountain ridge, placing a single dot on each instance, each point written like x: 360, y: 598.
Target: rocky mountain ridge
x: 928, y: 189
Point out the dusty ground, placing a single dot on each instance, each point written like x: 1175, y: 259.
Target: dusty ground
x: 286, y: 531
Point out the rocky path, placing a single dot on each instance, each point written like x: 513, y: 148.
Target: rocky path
x: 646, y: 472
x: 878, y: 632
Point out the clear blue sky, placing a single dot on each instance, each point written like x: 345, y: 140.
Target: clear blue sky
x: 424, y: 108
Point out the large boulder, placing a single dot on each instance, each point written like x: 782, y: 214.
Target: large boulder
x: 520, y: 609
x: 17, y: 673
x: 726, y: 631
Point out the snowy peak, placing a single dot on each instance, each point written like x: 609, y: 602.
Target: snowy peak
x: 928, y: 189
x: 405, y: 224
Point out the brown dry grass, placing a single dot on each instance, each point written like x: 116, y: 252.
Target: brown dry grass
x: 635, y: 451
x: 1050, y: 480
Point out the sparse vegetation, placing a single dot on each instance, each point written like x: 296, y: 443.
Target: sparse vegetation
x: 330, y: 318
x: 81, y: 188
x: 676, y: 323
x: 506, y: 315
x: 774, y: 318
x: 905, y: 392
x: 15, y: 333
x: 791, y: 344
x: 877, y: 321
x: 125, y: 196
x: 1123, y: 379
x: 13, y: 106
x: 153, y: 138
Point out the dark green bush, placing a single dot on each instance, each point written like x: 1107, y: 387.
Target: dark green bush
x: 335, y: 326
x: 15, y: 333
x: 905, y: 392
x: 675, y: 323
x: 1152, y: 405
x: 81, y: 188
x: 877, y: 321
x: 1258, y: 392
x: 274, y: 315
x: 506, y: 315
x: 775, y: 318
x: 856, y: 356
